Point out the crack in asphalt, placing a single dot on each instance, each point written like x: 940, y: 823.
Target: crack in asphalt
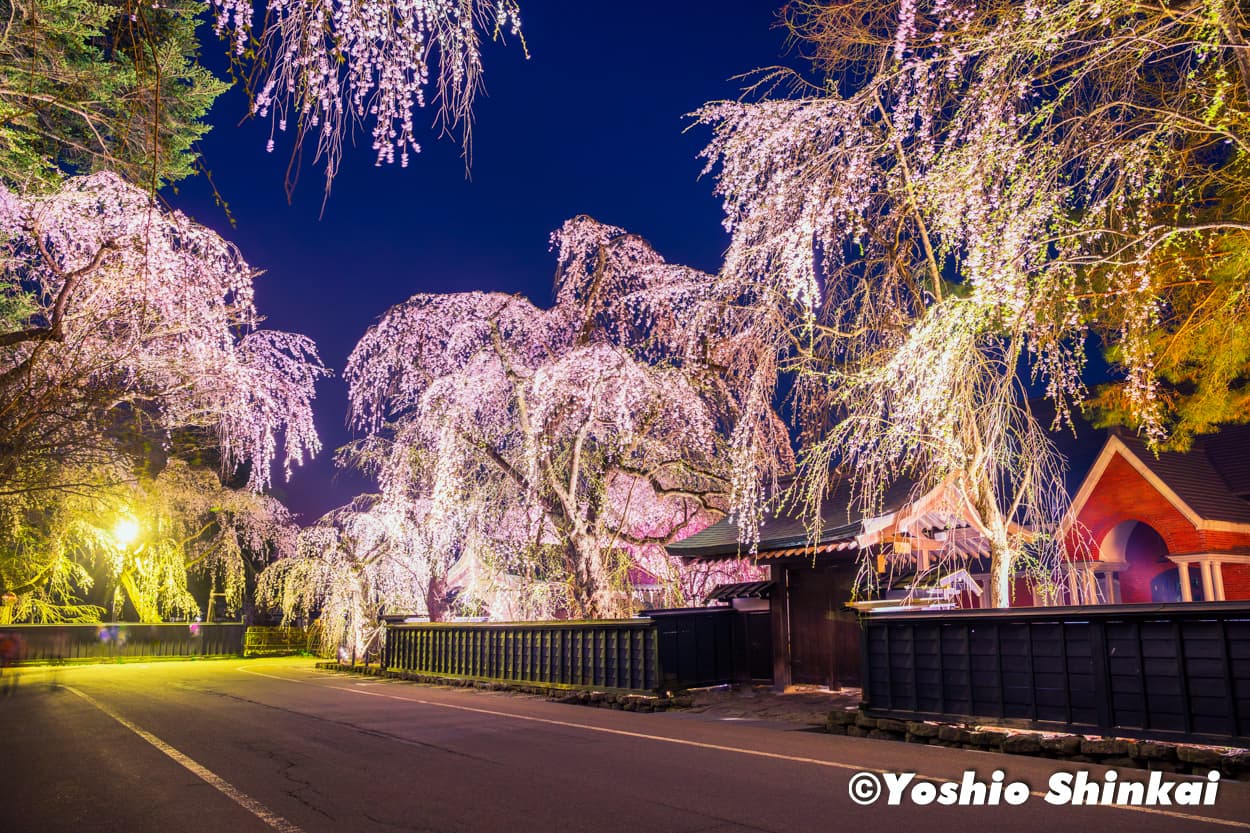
x: 302, y: 785
x: 376, y: 733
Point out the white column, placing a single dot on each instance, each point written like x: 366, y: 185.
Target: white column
x: 1208, y: 584
x: 1091, y: 588
x: 1183, y: 570
x: 1217, y: 569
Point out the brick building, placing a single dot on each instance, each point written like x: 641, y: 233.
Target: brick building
x: 1163, y: 528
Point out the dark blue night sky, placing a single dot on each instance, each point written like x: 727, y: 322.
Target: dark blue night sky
x: 591, y: 124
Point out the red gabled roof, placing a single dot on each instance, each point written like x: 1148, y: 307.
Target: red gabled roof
x: 1194, y: 476
x: 1195, y: 482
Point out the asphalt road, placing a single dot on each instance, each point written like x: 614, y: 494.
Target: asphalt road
x: 263, y: 745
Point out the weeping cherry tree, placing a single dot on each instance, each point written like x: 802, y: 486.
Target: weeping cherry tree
x: 974, y: 188
x: 568, y: 437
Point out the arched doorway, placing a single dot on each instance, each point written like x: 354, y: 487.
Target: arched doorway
x: 1166, y: 586
x: 1144, y: 555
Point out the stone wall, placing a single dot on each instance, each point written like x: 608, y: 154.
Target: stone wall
x: 1116, y: 752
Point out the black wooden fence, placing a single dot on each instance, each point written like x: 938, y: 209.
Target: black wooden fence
x: 613, y: 655
x: 1178, y: 671
x: 674, y: 649
x: 696, y: 646
x: 277, y: 642
x: 56, y: 643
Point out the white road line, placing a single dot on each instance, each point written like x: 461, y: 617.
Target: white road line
x: 213, y: 780
x: 713, y: 746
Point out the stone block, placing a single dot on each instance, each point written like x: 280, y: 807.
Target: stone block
x: 1236, y: 763
x: 1155, y: 751
x: 1121, y: 761
x: 1240, y: 757
x: 1022, y: 745
x: 863, y: 721
x: 1062, y: 745
x: 988, y: 739
x: 1200, y: 756
x: 1107, y: 746
x: 922, y: 730
x: 887, y: 724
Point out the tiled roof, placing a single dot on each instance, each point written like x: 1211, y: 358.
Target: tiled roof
x: 1195, y: 475
x: 1229, y: 452
x: 783, y: 533
x: 743, y: 590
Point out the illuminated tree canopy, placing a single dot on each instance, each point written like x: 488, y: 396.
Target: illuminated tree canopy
x: 356, y: 563
x: 118, y: 85
x: 130, y: 339
x: 142, y: 537
x: 122, y: 314
x: 978, y: 187
x: 567, y: 438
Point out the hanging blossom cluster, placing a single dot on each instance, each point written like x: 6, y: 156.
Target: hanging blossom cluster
x: 129, y: 310
x: 999, y: 181
x: 354, y: 564
x: 568, y: 437
x: 324, y: 65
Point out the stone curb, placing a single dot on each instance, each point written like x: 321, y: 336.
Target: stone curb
x: 621, y: 701
x: 1118, y: 752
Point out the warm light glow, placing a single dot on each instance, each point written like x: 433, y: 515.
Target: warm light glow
x: 126, y: 531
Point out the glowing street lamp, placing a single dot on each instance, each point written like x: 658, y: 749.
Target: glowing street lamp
x: 125, y: 532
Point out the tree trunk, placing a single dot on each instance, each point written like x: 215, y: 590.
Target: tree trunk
x: 589, y: 584
x: 148, y: 613
x: 436, y: 599
x: 1002, y: 572
x: 1002, y: 553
